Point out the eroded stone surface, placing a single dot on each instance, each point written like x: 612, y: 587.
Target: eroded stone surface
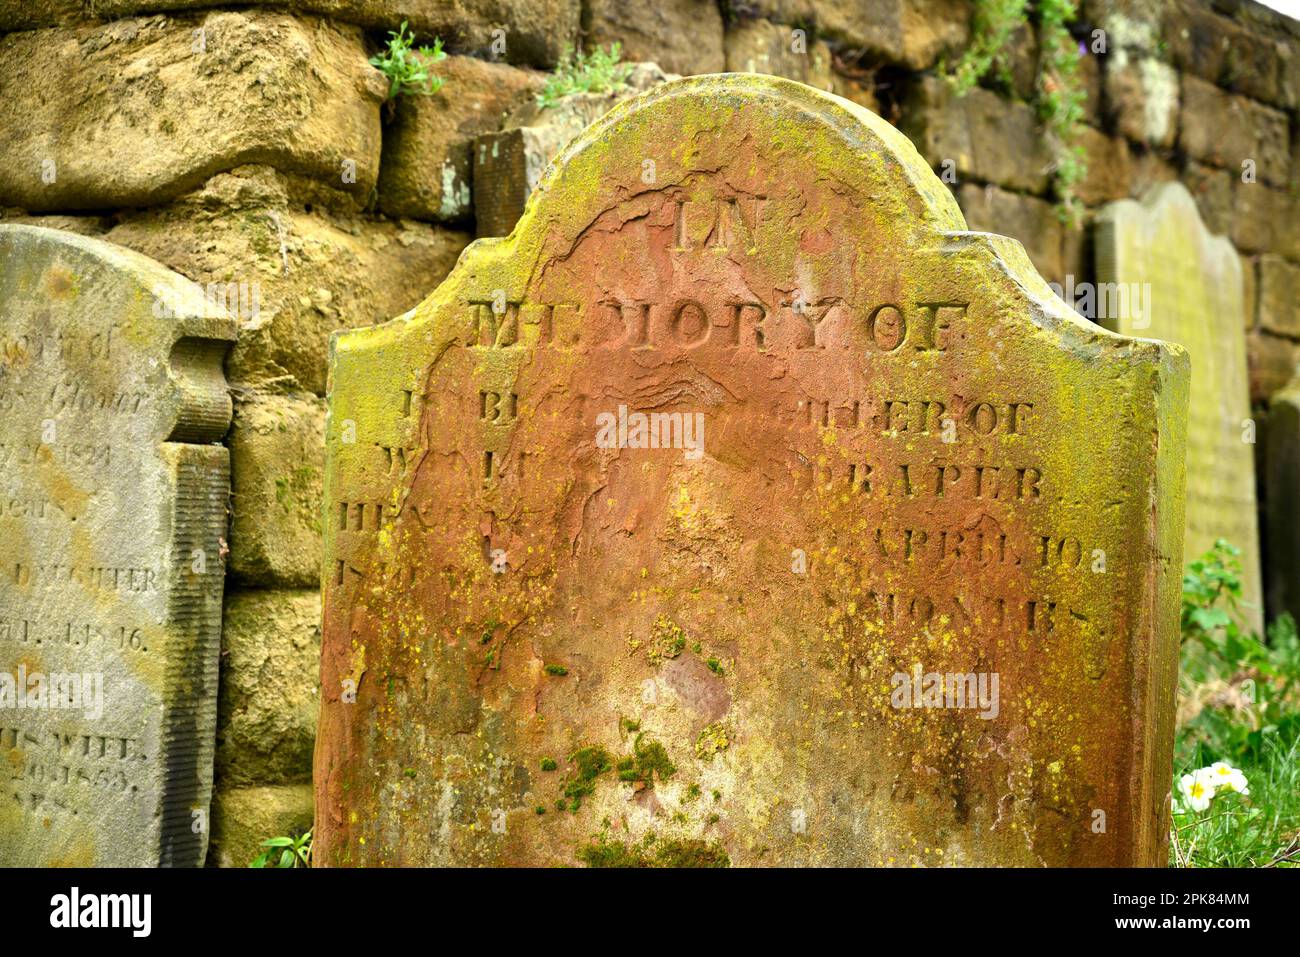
x: 544, y: 645
x: 276, y: 455
x: 267, y: 709
x: 137, y: 111
x: 1181, y: 284
x: 113, y: 497
x: 535, y: 31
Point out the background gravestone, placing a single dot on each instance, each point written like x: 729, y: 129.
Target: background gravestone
x: 113, y: 498
x: 540, y: 649
x: 1192, y: 295
x: 1282, y: 499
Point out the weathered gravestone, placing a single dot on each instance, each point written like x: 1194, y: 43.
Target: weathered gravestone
x: 1160, y: 273
x: 113, y: 502
x: 1282, y: 499
x: 884, y: 458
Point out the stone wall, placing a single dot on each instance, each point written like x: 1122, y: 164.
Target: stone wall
x: 252, y: 146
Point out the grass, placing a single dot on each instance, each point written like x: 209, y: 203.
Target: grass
x: 1256, y: 831
x: 1239, y: 703
x: 596, y: 72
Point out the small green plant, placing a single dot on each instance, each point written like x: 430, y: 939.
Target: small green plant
x: 285, y: 852
x: 597, y: 72
x: 1237, y: 779
x: 993, y: 22
x: 1060, y: 101
x: 670, y: 852
x: 1059, y: 97
x: 1211, y: 593
x: 407, y: 69
x: 1243, y: 689
x: 711, y: 740
x: 589, y: 762
x: 667, y: 640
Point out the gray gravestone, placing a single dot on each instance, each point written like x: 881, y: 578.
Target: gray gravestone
x: 113, y: 496
x: 1163, y: 275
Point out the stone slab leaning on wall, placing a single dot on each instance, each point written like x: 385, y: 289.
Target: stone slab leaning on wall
x: 429, y: 145
x: 112, y: 408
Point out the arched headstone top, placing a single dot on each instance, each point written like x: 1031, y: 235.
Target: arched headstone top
x: 762, y: 146
x: 172, y: 336
x: 1164, y: 214
x: 682, y: 125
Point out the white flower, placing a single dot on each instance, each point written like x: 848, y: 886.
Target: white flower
x: 1227, y: 778
x: 1197, y: 789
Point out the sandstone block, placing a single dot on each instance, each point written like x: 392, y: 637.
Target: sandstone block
x: 508, y: 165
x: 136, y: 112
x: 1031, y: 220
x: 266, y: 726
x: 913, y: 33
x: 1272, y: 362
x: 1142, y: 98
x: 681, y: 36
x: 315, y: 270
x: 533, y: 32
x: 986, y: 137
x: 759, y: 46
x: 1227, y: 130
x: 1279, y: 296
x: 242, y: 818
x: 428, y: 149
x: 277, y: 445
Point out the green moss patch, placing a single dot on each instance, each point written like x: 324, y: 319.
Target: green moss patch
x: 652, y: 853
x: 648, y: 760
x: 589, y: 763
